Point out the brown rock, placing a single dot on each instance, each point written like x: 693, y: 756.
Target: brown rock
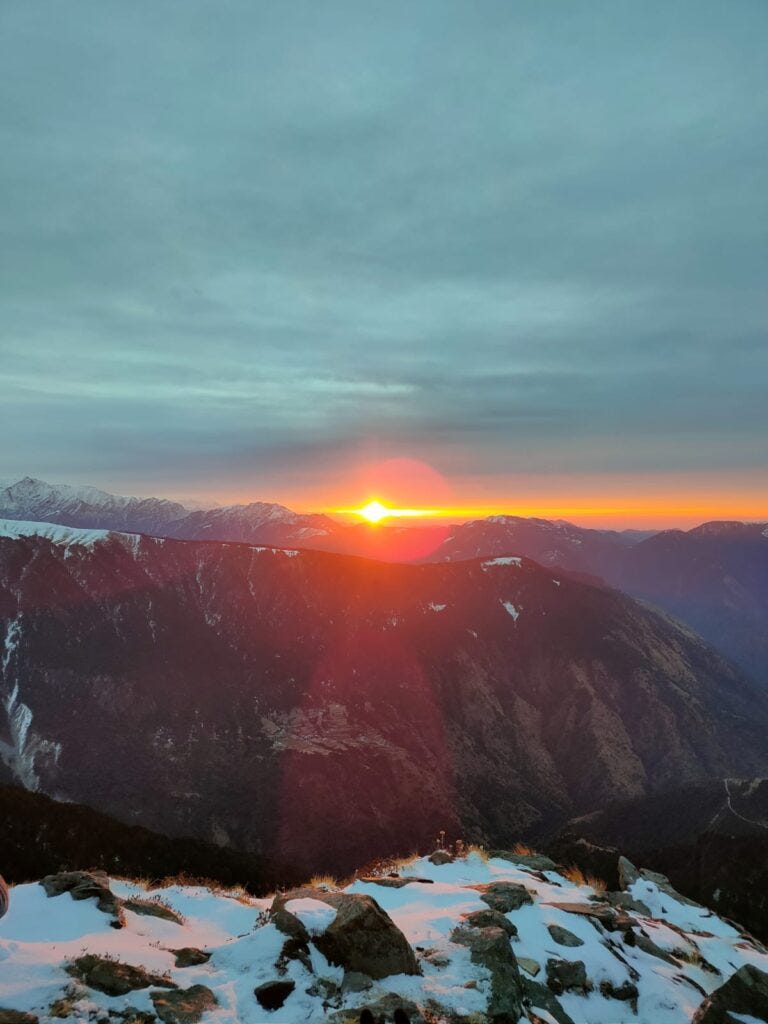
x: 184, y: 1006
x: 112, y: 977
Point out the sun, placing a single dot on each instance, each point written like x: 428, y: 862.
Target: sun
x: 374, y: 512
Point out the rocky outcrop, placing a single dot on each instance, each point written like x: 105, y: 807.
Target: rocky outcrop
x: 490, y: 947
x: 567, y: 976
x: 361, y: 937
x: 85, y: 885
x: 745, y: 992
x: 112, y: 977
x: 505, y: 896
x: 183, y: 1006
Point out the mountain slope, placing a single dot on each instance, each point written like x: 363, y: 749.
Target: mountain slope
x: 319, y: 708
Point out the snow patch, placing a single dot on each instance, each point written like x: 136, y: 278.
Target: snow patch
x: 506, y: 560
x: 66, y: 535
x: 315, y: 915
x: 433, y: 606
x: 511, y: 609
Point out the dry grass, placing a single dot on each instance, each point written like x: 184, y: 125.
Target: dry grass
x: 479, y: 851
x: 323, y: 882
x: 576, y: 875
x: 183, y: 879
x: 523, y: 850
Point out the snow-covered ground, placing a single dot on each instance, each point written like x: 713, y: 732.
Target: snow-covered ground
x: 41, y: 934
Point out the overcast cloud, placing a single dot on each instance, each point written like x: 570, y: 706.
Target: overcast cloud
x: 247, y: 240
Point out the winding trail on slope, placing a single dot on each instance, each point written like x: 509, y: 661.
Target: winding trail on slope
x: 732, y: 809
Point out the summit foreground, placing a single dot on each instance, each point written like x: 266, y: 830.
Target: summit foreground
x: 469, y: 939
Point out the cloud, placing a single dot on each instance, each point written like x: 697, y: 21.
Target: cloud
x: 511, y: 238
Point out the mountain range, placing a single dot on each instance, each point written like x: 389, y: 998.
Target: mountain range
x: 318, y: 708
x: 714, y: 578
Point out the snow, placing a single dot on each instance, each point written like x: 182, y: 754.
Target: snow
x: 511, y: 610
x: 66, y: 535
x: 433, y: 606
x: 507, y: 560
x: 315, y: 915
x: 39, y: 935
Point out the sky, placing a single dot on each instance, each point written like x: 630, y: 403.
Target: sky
x: 254, y: 250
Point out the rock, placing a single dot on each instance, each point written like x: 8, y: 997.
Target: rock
x: 530, y: 966
x: 623, y: 901
x: 628, y: 873
x: 612, y: 920
x: 649, y: 946
x: 504, y: 896
x: 540, y: 996
x: 490, y: 948
x: 17, y: 1017
x: 130, y: 1015
x: 272, y: 994
x: 112, y: 977
x: 626, y: 992
x: 85, y: 885
x: 152, y: 908
x: 534, y: 861
x: 563, y: 937
x: 441, y: 857
x: 490, y: 919
x: 745, y: 993
x: 567, y: 976
x: 293, y: 949
x: 392, y: 882
x: 383, y: 1009
x: 190, y: 956
x: 364, y: 938
x: 354, y: 981
x: 184, y: 1006
x: 664, y: 885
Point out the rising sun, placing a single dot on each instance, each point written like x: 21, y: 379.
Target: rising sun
x: 374, y: 512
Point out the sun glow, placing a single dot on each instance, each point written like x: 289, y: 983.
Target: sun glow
x: 374, y: 512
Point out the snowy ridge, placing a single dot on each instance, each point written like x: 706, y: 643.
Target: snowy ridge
x: 678, y: 954
x: 66, y: 535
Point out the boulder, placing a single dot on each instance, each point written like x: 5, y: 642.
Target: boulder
x: 190, y: 956
x: 5, y: 897
x: 745, y: 993
x: 567, y: 976
x: 490, y: 948
x: 184, y: 1006
x: 534, y: 861
x: 504, y: 896
x: 626, y: 992
x: 628, y: 873
x: 563, y: 937
x: 441, y: 857
x: 272, y: 994
x: 85, y: 885
x: 530, y: 966
x: 611, y: 919
x: 395, y: 881
x: 538, y: 995
x: 152, y: 908
x: 362, y: 937
x: 490, y: 919
x: 623, y: 901
x: 112, y: 977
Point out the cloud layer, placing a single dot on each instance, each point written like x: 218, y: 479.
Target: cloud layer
x: 256, y: 242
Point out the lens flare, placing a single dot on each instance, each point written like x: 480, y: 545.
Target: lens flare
x: 374, y: 512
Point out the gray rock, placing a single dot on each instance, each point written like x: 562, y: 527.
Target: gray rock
x: 534, y: 861
x: 628, y: 873
x: 382, y: 1010
x: 354, y: 981
x: 626, y: 992
x: 539, y: 995
x: 745, y: 992
x: 567, y: 976
x: 563, y: 937
x: 490, y: 948
x: 490, y: 919
x: 441, y: 857
x: 395, y: 882
x: 272, y: 994
x: 362, y: 937
x: 623, y: 901
x: 112, y: 977
x: 505, y: 896
x: 190, y: 956
x: 184, y: 1006
x: 85, y: 885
